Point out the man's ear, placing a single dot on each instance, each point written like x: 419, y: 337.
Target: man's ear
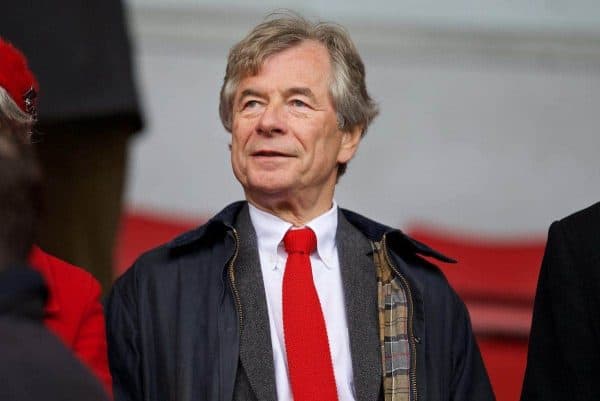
x: 350, y: 141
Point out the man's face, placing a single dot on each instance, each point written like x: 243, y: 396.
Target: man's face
x: 285, y: 137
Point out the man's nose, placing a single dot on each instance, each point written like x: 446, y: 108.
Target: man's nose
x: 272, y: 121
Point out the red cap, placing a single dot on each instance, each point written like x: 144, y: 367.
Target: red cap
x: 16, y: 77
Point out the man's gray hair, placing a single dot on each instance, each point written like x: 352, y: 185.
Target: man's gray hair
x: 348, y: 90
x: 13, y: 120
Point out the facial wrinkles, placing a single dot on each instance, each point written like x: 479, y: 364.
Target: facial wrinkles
x: 270, y: 93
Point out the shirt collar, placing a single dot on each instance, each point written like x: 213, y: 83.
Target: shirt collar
x: 270, y: 231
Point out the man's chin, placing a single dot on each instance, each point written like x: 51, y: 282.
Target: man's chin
x: 268, y: 191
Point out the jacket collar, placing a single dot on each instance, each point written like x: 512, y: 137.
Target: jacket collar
x: 397, y: 239
x: 224, y: 220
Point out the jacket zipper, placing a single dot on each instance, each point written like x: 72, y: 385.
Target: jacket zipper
x: 411, y: 335
x: 231, y: 274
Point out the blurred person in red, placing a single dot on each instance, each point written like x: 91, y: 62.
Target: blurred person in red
x: 35, y: 365
x: 563, y: 361
x: 87, y: 113
x: 73, y: 310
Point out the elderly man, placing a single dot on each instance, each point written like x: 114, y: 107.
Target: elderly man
x: 285, y: 296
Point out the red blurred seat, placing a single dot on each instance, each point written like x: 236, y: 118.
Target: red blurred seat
x: 496, y: 277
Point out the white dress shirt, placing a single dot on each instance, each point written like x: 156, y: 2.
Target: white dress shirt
x: 270, y: 231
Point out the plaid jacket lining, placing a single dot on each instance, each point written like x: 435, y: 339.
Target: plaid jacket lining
x: 393, y: 332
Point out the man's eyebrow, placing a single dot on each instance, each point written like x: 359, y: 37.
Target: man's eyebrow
x: 287, y: 93
x: 250, y: 92
x: 300, y: 91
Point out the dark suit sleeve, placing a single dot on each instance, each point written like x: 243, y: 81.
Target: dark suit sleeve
x: 123, y: 340
x: 469, y: 379
x: 563, y: 359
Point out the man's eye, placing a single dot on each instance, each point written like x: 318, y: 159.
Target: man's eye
x: 298, y: 103
x: 250, y: 104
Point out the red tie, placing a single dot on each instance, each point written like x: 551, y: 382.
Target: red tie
x: 307, y: 348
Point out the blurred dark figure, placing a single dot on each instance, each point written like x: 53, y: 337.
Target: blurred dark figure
x: 87, y: 113
x: 19, y: 197
x: 564, y: 346
x: 34, y: 365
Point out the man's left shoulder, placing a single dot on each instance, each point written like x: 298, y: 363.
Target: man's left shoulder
x: 425, y: 274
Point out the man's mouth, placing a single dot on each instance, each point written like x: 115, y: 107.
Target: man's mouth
x: 270, y: 153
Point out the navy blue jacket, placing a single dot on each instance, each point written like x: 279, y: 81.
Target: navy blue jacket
x: 173, y: 326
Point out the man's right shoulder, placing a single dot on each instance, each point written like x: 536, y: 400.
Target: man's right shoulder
x: 189, y: 251
x: 153, y: 258
x: 147, y: 267
x: 196, y: 257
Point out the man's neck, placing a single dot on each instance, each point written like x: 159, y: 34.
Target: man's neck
x: 298, y: 217
x: 297, y: 210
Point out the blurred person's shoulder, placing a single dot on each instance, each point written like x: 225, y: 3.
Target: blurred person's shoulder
x: 57, y: 270
x: 66, y: 282
x: 587, y: 216
x: 581, y: 230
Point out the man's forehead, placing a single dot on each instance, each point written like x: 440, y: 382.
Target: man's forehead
x: 308, y: 59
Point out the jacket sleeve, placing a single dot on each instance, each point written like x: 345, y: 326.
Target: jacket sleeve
x: 469, y: 381
x: 90, y: 341
x: 562, y: 362
x: 123, y: 340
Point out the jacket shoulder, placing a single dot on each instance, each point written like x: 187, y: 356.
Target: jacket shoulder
x: 581, y: 231
x: 146, y: 265
x: 159, y: 263
x: 586, y: 220
x: 46, y: 263
x: 428, y: 277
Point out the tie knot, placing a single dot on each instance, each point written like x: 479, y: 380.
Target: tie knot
x: 302, y: 240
